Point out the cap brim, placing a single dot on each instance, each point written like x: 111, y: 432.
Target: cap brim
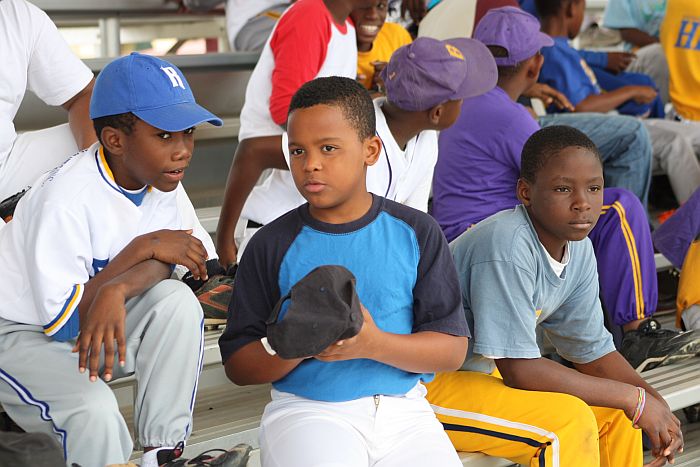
x: 178, y: 117
x: 482, y: 74
x: 545, y: 40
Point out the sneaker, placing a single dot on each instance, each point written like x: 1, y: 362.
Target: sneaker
x: 214, y: 296
x: 8, y: 205
x: 234, y: 457
x: 649, y: 346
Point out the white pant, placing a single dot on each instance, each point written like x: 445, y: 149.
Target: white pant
x: 36, y: 152
x: 380, y: 431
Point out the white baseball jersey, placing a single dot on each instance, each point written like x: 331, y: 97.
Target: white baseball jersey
x: 404, y: 176
x: 36, y: 57
x: 66, y: 229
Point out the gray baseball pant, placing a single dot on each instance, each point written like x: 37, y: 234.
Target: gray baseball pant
x: 42, y: 390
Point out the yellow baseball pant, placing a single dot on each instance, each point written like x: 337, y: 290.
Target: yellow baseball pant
x: 689, y: 285
x: 540, y: 429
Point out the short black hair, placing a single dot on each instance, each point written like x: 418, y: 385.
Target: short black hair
x: 504, y: 71
x: 124, y: 122
x: 548, y: 8
x: 548, y: 142
x: 347, y: 94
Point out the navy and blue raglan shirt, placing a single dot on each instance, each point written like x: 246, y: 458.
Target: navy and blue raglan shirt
x: 405, y: 275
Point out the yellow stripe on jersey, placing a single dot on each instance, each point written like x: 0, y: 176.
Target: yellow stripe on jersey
x: 633, y: 254
x: 71, y: 304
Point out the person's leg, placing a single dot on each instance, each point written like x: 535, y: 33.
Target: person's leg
x: 164, y: 348
x: 42, y: 390
x: 623, y: 143
x: 32, y: 154
x: 481, y: 414
x: 619, y: 442
x: 408, y: 433
x: 297, y: 432
x: 688, y: 300
x: 673, y: 154
x: 625, y: 255
x: 651, y: 61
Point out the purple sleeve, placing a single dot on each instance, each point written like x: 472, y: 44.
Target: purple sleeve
x: 675, y: 235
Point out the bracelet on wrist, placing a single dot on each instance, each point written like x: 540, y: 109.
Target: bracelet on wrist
x: 639, y: 409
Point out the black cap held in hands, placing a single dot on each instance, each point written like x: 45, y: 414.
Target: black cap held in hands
x: 324, y: 308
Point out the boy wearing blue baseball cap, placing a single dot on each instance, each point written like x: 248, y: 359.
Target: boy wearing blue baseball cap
x: 87, y: 259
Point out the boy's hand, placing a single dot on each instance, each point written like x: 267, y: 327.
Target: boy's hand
x: 644, y: 94
x: 377, y: 82
x: 177, y: 247
x: 228, y: 254
x: 662, y: 428
x: 363, y: 345
x: 619, y: 61
x: 102, y: 324
x: 549, y: 96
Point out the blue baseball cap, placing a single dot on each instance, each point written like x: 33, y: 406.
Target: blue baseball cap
x: 516, y: 30
x: 428, y: 72
x: 154, y: 90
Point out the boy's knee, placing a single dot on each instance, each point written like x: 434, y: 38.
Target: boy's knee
x: 581, y: 421
x: 177, y: 301
x: 98, y: 407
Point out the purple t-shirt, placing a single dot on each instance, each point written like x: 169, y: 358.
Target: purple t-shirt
x: 479, y: 161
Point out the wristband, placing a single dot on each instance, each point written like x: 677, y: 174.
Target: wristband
x: 639, y: 409
x: 267, y: 346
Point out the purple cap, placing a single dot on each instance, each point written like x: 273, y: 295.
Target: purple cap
x: 428, y: 72
x: 515, y: 30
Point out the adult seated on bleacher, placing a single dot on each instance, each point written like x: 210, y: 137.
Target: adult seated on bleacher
x: 680, y: 36
x: 313, y: 38
x: 478, y: 168
x: 376, y: 41
x: 639, y: 23
x: 37, y: 58
x: 564, y: 70
x: 531, y: 268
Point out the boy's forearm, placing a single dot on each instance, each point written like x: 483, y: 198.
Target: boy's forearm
x: 81, y: 126
x: 130, y: 283
x: 421, y: 352
x: 607, y: 101
x: 251, y: 364
x: 614, y: 366
x: 637, y: 37
x: 252, y: 157
x: 541, y: 374
x: 134, y: 253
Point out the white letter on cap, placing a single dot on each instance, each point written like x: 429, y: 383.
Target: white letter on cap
x: 174, y: 77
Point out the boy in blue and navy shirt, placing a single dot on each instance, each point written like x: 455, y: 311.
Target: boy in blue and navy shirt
x: 361, y: 401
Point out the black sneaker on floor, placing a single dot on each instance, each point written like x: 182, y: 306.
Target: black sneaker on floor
x: 650, y: 346
x: 234, y: 457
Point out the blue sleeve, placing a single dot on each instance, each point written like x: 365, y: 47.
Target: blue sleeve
x: 577, y: 328
x: 593, y: 58
x: 562, y: 70
x: 530, y: 7
x: 618, y: 15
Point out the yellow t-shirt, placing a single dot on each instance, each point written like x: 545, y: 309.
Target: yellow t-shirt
x: 680, y: 38
x: 390, y: 37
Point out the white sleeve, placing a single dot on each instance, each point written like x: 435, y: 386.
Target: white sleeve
x: 55, y: 73
x: 58, y: 267
x: 190, y: 221
x: 428, y: 154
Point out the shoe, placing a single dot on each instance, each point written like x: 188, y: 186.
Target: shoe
x: 668, y: 289
x: 595, y: 36
x: 214, y: 296
x: 649, y: 346
x: 8, y: 205
x: 234, y: 457
x: 692, y: 413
